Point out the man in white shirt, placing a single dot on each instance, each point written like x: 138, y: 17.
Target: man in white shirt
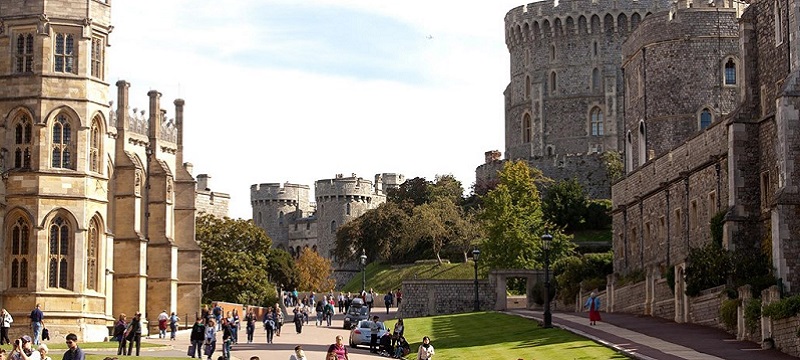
x: 162, y: 324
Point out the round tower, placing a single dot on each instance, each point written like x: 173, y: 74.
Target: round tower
x: 565, y: 98
x: 671, y: 96
x: 276, y: 206
x: 340, y: 200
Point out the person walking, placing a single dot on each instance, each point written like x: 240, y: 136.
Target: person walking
x: 338, y: 350
x: 269, y: 325
x: 278, y: 320
x: 119, y: 333
x: 397, y: 333
x: 298, y: 320
x: 211, y: 339
x: 299, y: 354
x: 227, y: 338
x: 399, y: 297
x: 235, y: 326
x: 329, y: 313
x: 593, y: 304
x: 388, y: 299
x: 173, y: 325
x: 5, y: 322
x: 425, y: 350
x: 197, y: 337
x: 133, y: 334
x: 37, y: 322
x: 250, y: 321
x: 74, y: 352
x: 162, y: 324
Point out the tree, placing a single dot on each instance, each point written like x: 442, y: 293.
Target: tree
x: 381, y: 232
x: 436, y: 223
x: 235, y: 261
x: 565, y: 205
x: 514, y: 222
x: 612, y: 161
x: 281, y: 268
x: 468, y: 234
x: 411, y: 193
x: 313, y: 271
x: 446, y: 186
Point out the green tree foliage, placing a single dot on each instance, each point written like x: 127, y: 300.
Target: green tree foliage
x: 598, y: 214
x: 381, y: 232
x: 612, y: 160
x: 514, y: 222
x: 707, y: 267
x: 235, y: 261
x: 565, y: 205
x: 411, y: 193
x: 437, y: 223
x: 281, y: 268
x: 314, y: 272
x: 467, y: 234
x: 586, y: 272
x: 446, y: 186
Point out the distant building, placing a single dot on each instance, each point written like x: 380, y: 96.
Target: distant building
x: 208, y: 201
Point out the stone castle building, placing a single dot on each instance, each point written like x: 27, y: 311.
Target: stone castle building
x: 564, y: 104
x: 293, y: 223
x: 742, y: 163
x: 97, y: 208
x: 209, y: 201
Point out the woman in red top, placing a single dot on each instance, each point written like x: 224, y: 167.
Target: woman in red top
x: 338, y: 350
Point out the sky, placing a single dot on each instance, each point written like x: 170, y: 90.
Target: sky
x: 298, y: 91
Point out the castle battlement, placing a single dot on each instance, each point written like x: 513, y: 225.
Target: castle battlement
x: 278, y: 192
x: 343, y: 186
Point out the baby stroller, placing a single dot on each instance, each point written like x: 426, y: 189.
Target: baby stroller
x: 402, y: 349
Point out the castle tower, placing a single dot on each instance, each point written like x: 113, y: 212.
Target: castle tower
x: 55, y: 227
x: 563, y: 105
x: 275, y: 206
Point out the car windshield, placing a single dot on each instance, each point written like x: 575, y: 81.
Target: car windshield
x: 358, y: 311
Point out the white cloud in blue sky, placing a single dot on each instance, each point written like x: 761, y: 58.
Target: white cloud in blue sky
x: 298, y: 91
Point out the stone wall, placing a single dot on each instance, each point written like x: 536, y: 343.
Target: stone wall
x: 784, y: 335
x: 664, y: 301
x: 630, y: 299
x: 704, y: 308
x: 439, y: 297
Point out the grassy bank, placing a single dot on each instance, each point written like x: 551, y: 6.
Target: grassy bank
x: 382, y: 277
x: 490, y: 336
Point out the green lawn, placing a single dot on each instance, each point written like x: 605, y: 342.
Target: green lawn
x: 57, y: 350
x: 382, y: 277
x: 489, y: 336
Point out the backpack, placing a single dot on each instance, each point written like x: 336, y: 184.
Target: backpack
x: 320, y: 307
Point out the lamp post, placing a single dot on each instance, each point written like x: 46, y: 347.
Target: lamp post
x: 363, y: 270
x: 476, y: 254
x: 548, y: 317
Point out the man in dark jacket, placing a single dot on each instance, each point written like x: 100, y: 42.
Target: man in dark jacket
x: 197, y: 337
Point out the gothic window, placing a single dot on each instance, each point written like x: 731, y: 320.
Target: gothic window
x: 95, y: 146
x: 260, y: 218
x: 308, y: 226
x: 730, y: 72
x: 333, y: 227
x: 629, y: 152
x: 65, y: 53
x: 22, y: 143
x: 705, y: 119
x: 20, y: 237
x: 280, y: 218
x: 97, y: 58
x: 314, y: 248
x: 552, y: 52
x: 778, y: 24
x: 347, y: 210
x: 526, y: 128
x: 642, y: 143
x: 527, y: 87
x: 595, y: 79
x: 551, y: 150
x: 23, y: 57
x: 553, y: 81
x: 60, y: 245
x: 596, y: 120
x: 62, y: 143
x: 92, y: 246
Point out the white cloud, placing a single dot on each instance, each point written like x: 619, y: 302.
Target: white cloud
x: 248, y: 124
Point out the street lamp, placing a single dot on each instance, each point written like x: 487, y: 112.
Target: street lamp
x: 548, y: 317
x: 363, y: 270
x: 476, y: 254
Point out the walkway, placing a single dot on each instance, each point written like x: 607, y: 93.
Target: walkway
x: 647, y: 337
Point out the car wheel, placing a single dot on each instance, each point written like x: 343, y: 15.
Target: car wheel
x: 354, y: 346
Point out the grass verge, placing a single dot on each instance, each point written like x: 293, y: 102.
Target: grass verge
x: 490, y: 336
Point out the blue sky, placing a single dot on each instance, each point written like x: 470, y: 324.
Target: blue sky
x: 294, y: 91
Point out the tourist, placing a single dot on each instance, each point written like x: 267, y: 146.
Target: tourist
x: 119, y: 333
x: 227, y: 338
x: 298, y: 354
x: 425, y: 350
x: 217, y: 312
x: 373, y: 337
x: 298, y: 320
x: 211, y: 338
x: 399, y: 296
x: 43, y: 350
x: 205, y: 313
x: 5, y: 321
x: 76, y: 353
x: 329, y: 313
x: 269, y: 324
x: 37, y: 317
x: 235, y: 326
x: 397, y: 333
x: 593, y: 304
x: 388, y: 299
x: 369, y: 299
x: 338, y: 350
x: 197, y: 337
x: 173, y: 325
x: 320, y: 308
x: 22, y: 350
x: 162, y: 324
x: 133, y: 334
x: 250, y: 321
x: 340, y: 302
x: 278, y: 320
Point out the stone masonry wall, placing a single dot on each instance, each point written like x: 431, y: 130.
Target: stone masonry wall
x: 704, y: 308
x: 439, y: 297
x: 664, y: 302
x: 630, y: 299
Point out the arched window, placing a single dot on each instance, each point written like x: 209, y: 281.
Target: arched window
x: 280, y: 218
x: 553, y: 81
x: 527, y: 87
x: 705, y: 119
x: 595, y: 79
x: 629, y: 152
x: 552, y: 52
x: 778, y: 24
x: 62, y: 143
x: 260, y: 218
x: 95, y: 143
x: 297, y: 252
x: 333, y: 227
x: 60, y: 245
x: 642, y: 143
x: 65, y: 53
x: 596, y: 119
x: 92, y: 248
x: 314, y: 248
x: 20, y: 237
x: 526, y: 128
x: 347, y: 208
x: 22, y: 143
x: 730, y: 72
x: 551, y: 150
x: 23, y: 58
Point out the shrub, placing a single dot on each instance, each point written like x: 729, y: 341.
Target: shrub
x: 598, y: 214
x: 784, y: 308
x: 728, y: 312
x: 669, y: 274
x: 589, y: 269
x: 706, y: 267
x: 752, y: 314
x: 716, y: 223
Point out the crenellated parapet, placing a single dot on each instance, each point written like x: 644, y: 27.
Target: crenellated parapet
x: 352, y: 186
x: 275, y: 192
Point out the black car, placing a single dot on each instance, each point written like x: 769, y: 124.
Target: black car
x: 354, y: 315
